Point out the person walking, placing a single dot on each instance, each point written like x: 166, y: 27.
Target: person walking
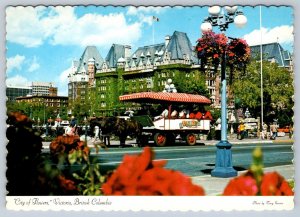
x: 74, y: 124
x: 97, y: 133
x: 291, y: 131
x: 96, y: 140
x: 69, y: 130
x: 274, y: 129
x: 241, y: 131
x: 264, y: 131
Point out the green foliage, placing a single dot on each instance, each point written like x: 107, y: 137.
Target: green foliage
x: 173, y: 66
x: 216, y: 113
x: 90, y: 179
x: 257, y: 165
x: 193, y: 82
x: 277, y: 90
x: 91, y: 101
x: 36, y: 111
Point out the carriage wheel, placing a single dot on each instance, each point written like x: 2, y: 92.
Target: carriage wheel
x: 191, y: 139
x: 160, y: 139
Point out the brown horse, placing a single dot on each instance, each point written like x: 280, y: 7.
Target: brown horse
x: 118, y: 127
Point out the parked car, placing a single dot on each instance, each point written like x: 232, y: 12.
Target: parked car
x: 64, y: 123
x: 285, y: 129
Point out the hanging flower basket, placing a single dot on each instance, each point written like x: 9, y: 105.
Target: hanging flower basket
x: 238, y: 53
x: 212, y: 46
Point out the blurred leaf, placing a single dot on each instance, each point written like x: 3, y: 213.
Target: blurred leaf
x: 72, y: 157
x: 79, y: 153
x: 76, y: 176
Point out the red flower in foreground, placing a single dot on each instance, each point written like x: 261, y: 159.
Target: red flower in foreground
x: 64, y: 145
x: 140, y: 175
x: 66, y: 185
x: 241, y: 186
x: 18, y: 118
x: 274, y: 184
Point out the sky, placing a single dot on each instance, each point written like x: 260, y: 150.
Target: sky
x: 43, y: 41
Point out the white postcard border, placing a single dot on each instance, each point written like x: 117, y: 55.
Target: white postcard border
x: 217, y: 203
x: 149, y: 203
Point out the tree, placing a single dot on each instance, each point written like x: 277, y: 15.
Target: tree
x: 79, y: 109
x: 277, y: 90
x: 193, y: 82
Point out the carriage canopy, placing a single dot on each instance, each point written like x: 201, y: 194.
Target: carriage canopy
x: 160, y: 97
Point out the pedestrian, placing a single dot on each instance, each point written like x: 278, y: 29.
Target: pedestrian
x: 69, y: 130
x: 241, y: 130
x: 96, y: 140
x: 96, y: 134
x: 231, y: 130
x: 291, y: 131
x: 74, y: 124
x: 274, y: 128
x: 264, y: 131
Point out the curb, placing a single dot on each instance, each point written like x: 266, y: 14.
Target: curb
x: 283, y: 141
x: 213, y: 142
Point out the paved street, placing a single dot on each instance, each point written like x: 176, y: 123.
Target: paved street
x: 198, y: 161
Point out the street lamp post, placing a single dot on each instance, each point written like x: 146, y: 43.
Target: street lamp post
x: 223, y: 167
x: 85, y: 128
x: 170, y: 87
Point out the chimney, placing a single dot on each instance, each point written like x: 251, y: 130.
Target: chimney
x: 127, y: 51
x: 167, y: 40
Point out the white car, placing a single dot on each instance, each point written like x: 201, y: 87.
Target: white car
x: 64, y: 123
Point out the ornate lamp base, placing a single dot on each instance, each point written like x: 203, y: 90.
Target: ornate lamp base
x: 223, y: 167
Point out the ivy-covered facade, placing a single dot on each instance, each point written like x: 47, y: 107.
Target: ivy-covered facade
x: 110, y: 86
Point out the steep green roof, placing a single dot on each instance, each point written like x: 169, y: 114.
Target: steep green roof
x: 89, y: 52
x: 272, y: 51
x: 116, y: 52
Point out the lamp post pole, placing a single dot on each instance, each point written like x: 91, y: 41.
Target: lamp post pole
x: 169, y: 88
x: 223, y: 166
x: 85, y: 129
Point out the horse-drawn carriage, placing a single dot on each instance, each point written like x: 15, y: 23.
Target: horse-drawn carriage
x: 165, y: 129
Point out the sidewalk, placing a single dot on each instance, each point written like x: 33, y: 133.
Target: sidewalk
x: 214, y: 186
x: 234, y: 141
